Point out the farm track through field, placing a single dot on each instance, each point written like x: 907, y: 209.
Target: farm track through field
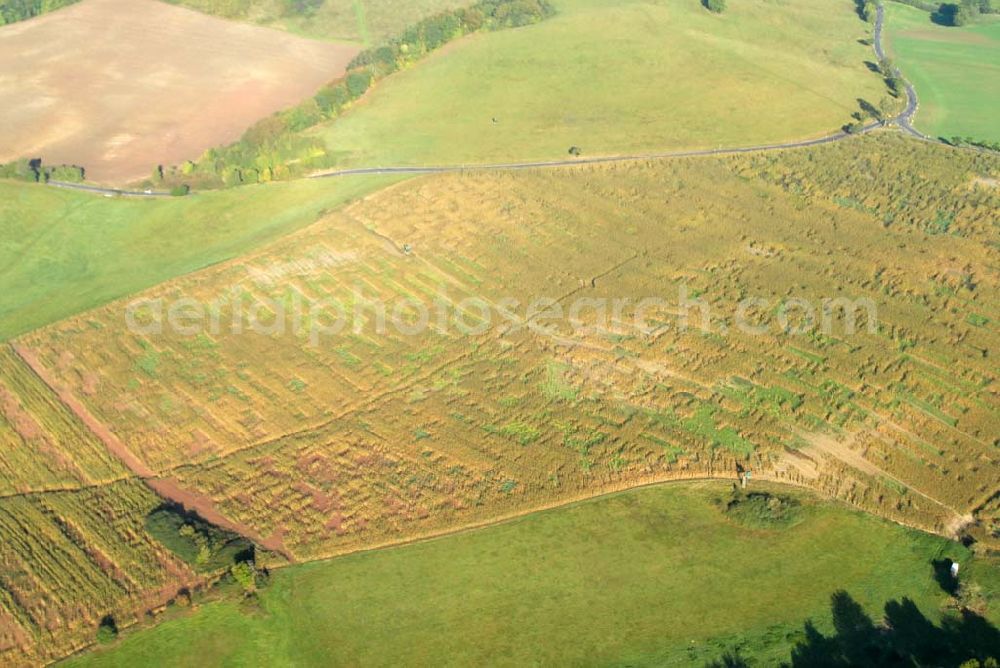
x: 170, y: 489
x: 166, y: 487
x: 842, y: 452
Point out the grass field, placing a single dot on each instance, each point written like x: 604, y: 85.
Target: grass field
x: 651, y: 577
x: 956, y: 72
x: 138, y: 83
x: 64, y: 252
x: 667, y: 74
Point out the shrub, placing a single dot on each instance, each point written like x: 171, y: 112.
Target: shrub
x: 65, y: 173
x: 180, y: 191
x: 954, y: 14
x: 203, y: 545
x: 717, y: 6
x: 22, y: 170
x: 762, y: 509
x: 32, y: 170
x: 358, y: 83
x: 107, y: 631
x: 19, y: 10
x: 332, y: 98
x: 857, y: 127
x: 246, y: 575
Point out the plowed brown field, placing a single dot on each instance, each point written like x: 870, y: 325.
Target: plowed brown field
x: 136, y: 83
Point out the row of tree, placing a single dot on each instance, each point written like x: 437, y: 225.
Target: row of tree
x: 19, y: 10
x: 971, y: 141
x: 274, y: 148
x: 954, y: 13
x: 867, y: 9
x: 962, y: 13
x: 33, y: 170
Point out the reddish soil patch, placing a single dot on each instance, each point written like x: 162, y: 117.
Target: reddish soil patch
x: 112, y: 442
x: 120, y: 86
x: 23, y: 424
x: 168, y: 488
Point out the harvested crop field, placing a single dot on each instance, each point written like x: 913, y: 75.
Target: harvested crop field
x: 360, y: 437
x: 136, y: 83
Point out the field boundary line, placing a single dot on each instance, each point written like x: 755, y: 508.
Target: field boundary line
x: 568, y: 502
x: 163, y: 485
x: 114, y: 445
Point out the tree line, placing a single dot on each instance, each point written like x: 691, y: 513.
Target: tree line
x: 19, y: 10
x: 274, y: 148
x: 972, y: 142
x: 955, y: 13
x: 32, y: 169
x: 962, y: 13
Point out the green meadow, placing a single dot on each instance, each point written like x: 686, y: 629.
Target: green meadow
x: 956, y: 71
x: 63, y: 252
x: 614, y: 76
x: 657, y: 576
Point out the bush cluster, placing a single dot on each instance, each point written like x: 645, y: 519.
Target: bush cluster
x: 962, y: 13
x: 206, y: 547
x: 955, y: 13
x: 19, y: 10
x: 977, y: 143
x: 867, y: 9
x: 761, y: 509
x: 34, y: 171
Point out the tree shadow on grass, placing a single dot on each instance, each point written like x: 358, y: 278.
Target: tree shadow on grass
x: 942, y: 575
x: 905, y: 637
x: 728, y: 660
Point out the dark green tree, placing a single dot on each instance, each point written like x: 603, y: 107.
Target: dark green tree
x: 107, y: 631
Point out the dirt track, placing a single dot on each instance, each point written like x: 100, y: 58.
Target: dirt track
x: 167, y: 487
x: 120, y: 86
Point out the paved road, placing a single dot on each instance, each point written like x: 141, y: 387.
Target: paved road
x: 438, y: 169
x: 904, y: 120
x: 879, y: 24
x: 107, y: 191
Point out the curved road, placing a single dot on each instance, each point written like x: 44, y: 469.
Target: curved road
x: 904, y: 121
